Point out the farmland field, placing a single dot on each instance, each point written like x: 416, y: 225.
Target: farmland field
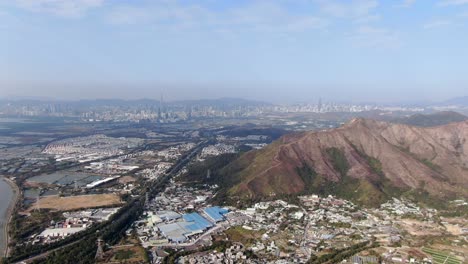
x: 441, y: 257
x: 77, y: 202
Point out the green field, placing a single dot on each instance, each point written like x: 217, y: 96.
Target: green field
x: 439, y: 257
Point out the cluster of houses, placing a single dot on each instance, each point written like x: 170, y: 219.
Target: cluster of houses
x: 232, y: 255
x: 89, y: 148
x: 217, y: 149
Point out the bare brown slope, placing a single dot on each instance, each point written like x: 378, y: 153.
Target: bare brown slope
x: 433, y: 159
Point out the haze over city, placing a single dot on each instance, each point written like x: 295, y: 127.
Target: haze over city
x: 361, y: 50
x: 233, y: 131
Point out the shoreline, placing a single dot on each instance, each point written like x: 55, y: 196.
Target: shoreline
x: 10, y: 211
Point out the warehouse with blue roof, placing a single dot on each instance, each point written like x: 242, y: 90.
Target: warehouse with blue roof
x: 179, y: 232
x: 199, y: 222
x: 216, y: 213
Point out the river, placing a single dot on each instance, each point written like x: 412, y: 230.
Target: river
x: 6, y: 197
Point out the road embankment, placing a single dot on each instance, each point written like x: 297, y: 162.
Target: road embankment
x: 9, y: 213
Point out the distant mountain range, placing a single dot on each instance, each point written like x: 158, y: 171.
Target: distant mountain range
x: 225, y: 104
x: 458, y: 101
x: 120, y: 102
x: 366, y: 161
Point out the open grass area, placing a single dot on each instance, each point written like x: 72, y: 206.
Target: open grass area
x: 126, y: 254
x: 242, y: 235
x: 439, y: 257
x: 78, y: 202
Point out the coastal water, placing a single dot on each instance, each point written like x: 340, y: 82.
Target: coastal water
x: 6, y: 197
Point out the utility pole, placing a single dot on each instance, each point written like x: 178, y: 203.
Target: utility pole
x: 147, y: 200
x: 38, y: 198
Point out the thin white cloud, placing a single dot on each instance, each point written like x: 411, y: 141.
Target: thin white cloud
x: 305, y: 23
x: 363, y: 14
x: 367, y: 19
x: 128, y: 15
x: 64, y: 8
x: 453, y: 2
x: 347, y: 9
x: 254, y: 17
x: 407, y: 3
x: 437, y: 23
x: 270, y: 17
x: 375, y: 37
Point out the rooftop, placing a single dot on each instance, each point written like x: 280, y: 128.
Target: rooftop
x: 216, y: 213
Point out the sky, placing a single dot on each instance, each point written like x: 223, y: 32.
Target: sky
x: 275, y: 50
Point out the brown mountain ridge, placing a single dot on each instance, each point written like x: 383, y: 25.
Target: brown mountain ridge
x: 364, y: 160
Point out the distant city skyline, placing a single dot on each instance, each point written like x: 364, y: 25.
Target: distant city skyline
x: 274, y: 51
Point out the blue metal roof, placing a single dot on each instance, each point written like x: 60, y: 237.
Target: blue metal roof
x: 177, y: 232
x: 199, y: 223
x: 216, y: 213
x: 168, y: 215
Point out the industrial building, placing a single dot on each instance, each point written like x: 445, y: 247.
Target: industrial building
x: 192, y: 224
x: 215, y: 213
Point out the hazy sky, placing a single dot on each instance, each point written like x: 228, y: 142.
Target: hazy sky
x: 271, y: 50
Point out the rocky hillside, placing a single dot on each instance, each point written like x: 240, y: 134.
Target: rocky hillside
x: 364, y: 160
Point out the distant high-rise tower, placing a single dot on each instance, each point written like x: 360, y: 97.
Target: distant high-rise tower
x: 188, y: 110
x: 163, y: 108
x: 100, y: 249
x: 162, y: 111
x: 319, y: 106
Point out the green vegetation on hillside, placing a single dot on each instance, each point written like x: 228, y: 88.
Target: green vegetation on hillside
x: 426, y: 162
x: 431, y: 165
x: 124, y: 254
x: 198, y: 172
x: 362, y: 191
x: 309, y: 177
x: 421, y: 196
x: 357, y: 190
x: 242, y: 235
x: 338, y: 160
x: 375, y: 165
x: 224, y: 172
x: 240, y: 183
